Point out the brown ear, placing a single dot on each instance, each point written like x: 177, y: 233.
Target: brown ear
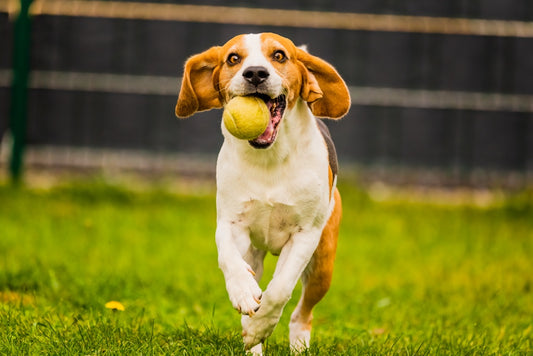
x: 198, y: 92
x: 322, y: 87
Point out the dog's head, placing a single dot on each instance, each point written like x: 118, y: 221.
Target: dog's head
x: 265, y: 65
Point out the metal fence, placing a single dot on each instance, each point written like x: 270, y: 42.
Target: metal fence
x: 434, y: 84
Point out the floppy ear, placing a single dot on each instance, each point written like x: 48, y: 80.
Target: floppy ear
x: 322, y: 87
x: 198, y: 92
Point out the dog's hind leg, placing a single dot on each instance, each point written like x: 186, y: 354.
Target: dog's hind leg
x: 316, y: 280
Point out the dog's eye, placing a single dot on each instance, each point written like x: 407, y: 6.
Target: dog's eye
x: 233, y: 59
x: 279, y: 56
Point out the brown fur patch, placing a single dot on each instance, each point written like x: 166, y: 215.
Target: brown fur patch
x: 317, y: 278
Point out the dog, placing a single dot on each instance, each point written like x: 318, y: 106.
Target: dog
x: 277, y: 193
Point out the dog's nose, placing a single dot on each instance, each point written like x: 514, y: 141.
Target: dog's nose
x: 255, y: 75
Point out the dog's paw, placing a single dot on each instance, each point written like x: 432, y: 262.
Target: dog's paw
x: 257, y: 328
x: 244, y: 292
x: 299, y: 336
x: 257, y: 350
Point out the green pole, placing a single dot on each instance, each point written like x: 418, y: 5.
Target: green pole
x: 19, y: 87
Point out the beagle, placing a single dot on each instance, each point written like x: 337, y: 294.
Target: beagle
x: 276, y: 193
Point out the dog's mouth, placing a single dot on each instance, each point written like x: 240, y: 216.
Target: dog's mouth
x: 276, y: 107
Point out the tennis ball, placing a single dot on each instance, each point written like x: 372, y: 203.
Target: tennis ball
x: 246, y: 117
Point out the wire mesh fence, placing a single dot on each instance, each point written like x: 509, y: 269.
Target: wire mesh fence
x: 443, y: 85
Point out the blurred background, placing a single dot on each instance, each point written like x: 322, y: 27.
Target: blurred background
x: 442, y: 91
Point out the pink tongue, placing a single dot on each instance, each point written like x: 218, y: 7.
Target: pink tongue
x: 267, y: 135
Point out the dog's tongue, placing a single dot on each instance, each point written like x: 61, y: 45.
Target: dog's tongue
x: 276, y: 107
x: 268, y: 135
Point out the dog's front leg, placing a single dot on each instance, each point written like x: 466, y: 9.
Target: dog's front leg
x: 243, y: 290
x: 292, y: 261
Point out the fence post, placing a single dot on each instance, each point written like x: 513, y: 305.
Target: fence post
x: 19, y: 87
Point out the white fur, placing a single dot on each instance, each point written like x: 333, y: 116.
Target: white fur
x: 273, y: 200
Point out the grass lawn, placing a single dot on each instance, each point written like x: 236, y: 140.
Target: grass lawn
x: 411, y: 277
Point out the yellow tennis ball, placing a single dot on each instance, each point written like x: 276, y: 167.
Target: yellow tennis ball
x: 246, y: 117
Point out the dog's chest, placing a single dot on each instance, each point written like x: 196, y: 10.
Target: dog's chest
x: 270, y: 224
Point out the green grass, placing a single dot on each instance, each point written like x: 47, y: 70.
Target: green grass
x: 411, y: 278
